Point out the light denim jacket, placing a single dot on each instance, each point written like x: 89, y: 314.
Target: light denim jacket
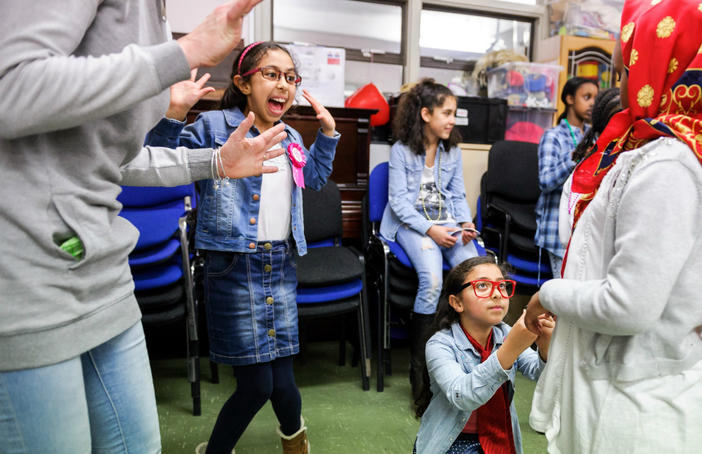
x: 460, y: 384
x: 223, y: 219
x: 405, y: 175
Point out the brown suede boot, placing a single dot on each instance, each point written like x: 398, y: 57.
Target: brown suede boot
x: 296, y: 443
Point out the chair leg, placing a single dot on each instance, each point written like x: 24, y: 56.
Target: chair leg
x: 214, y: 372
x: 380, y: 385
x: 342, y: 342
x: 365, y: 373
x: 194, y: 374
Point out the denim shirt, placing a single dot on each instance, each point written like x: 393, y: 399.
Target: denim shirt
x: 404, y: 178
x: 460, y: 384
x: 224, y: 214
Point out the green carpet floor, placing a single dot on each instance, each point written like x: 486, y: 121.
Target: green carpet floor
x: 341, y: 417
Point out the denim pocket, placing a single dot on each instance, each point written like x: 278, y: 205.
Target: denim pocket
x: 220, y: 263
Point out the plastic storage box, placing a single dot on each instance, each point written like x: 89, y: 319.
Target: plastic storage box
x: 528, y: 124
x: 591, y: 18
x: 481, y: 120
x: 525, y: 84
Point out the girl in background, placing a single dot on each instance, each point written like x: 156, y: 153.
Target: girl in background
x: 427, y: 202
x: 249, y: 229
x: 556, y: 163
x: 472, y: 358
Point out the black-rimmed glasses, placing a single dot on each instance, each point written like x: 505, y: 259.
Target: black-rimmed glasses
x: 274, y: 74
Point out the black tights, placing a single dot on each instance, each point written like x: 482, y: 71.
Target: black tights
x: 255, y: 385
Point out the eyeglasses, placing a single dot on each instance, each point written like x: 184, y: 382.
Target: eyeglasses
x: 274, y: 74
x: 484, y: 288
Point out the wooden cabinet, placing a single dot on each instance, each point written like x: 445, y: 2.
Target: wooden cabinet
x: 351, y: 161
x: 579, y: 56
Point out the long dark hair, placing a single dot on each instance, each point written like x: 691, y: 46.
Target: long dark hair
x: 233, y: 97
x: 607, y: 103
x: 408, y: 125
x: 447, y: 316
x: 569, y: 89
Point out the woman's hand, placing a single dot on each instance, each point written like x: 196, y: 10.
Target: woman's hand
x: 243, y: 156
x: 323, y: 115
x: 533, y: 312
x: 217, y: 35
x: 442, y: 235
x: 468, y: 236
x: 185, y: 94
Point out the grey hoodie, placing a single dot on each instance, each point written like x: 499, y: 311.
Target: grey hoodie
x: 81, y: 82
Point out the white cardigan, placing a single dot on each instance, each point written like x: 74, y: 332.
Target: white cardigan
x: 629, y: 312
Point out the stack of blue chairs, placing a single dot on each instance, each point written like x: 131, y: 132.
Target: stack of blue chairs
x: 161, y: 263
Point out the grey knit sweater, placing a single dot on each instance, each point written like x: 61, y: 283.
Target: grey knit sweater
x: 81, y: 82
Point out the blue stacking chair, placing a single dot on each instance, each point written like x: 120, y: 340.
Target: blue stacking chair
x: 161, y: 263
x: 395, y: 276
x: 331, y: 277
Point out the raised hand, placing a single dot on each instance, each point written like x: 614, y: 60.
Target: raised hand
x: 518, y: 339
x: 323, y: 115
x: 243, y: 156
x: 217, y: 35
x: 185, y: 94
x: 547, y: 323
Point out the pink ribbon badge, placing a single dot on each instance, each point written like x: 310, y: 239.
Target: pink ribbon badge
x: 298, y: 159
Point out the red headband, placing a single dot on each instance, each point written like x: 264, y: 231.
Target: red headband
x: 243, y: 53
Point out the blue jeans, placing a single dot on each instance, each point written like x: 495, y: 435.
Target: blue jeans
x: 464, y: 444
x: 556, y: 264
x: 101, y: 401
x: 427, y: 258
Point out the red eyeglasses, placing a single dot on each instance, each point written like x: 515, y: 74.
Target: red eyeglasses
x: 274, y: 74
x: 484, y: 288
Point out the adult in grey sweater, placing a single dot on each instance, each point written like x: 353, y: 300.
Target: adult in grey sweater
x: 81, y: 83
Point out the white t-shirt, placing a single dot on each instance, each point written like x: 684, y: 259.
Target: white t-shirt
x: 276, y: 200
x: 430, y: 199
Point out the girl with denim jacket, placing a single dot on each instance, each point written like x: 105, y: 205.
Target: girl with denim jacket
x: 245, y: 229
x: 427, y: 202
x: 472, y: 358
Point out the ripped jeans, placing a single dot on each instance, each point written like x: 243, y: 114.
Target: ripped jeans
x: 427, y: 258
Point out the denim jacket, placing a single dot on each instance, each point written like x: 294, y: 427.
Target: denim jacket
x: 224, y: 214
x: 405, y: 175
x: 460, y: 384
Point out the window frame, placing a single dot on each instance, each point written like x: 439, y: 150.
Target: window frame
x: 354, y: 54
x: 468, y: 65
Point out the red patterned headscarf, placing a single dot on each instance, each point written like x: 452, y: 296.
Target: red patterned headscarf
x: 661, y: 45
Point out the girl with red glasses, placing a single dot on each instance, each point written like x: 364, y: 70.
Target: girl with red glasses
x: 472, y: 358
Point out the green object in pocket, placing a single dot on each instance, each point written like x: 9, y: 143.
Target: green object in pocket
x: 73, y: 246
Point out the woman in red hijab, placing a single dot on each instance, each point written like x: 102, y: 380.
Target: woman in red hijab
x: 625, y: 363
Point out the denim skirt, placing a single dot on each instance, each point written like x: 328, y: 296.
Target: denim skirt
x: 250, y: 301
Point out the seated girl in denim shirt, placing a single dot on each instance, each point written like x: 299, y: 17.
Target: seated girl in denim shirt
x: 466, y: 406
x: 427, y: 202
x: 249, y: 229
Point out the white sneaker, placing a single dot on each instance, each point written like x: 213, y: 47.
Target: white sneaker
x: 202, y: 447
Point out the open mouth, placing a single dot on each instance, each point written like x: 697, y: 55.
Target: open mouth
x: 276, y: 105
